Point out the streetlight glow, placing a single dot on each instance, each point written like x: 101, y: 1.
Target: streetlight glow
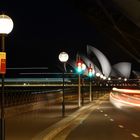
x: 63, y: 57
x: 97, y: 74
x: 109, y: 78
x: 83, y: 66
x: 125, y: 79
x: 6, y: 24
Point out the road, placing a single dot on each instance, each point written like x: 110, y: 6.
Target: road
x: 105, y: 122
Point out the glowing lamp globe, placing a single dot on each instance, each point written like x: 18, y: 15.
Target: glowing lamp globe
x: 97, y: 74
x: 6, y: 24
x: 63, y: 57
x: 83, y: 66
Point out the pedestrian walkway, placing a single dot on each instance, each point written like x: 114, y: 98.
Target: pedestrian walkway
x: 25, y: 126
x: 79, y: 115
x: 45, y: 123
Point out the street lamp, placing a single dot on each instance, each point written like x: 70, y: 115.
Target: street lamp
x: 6, y: 26
x: 91, y: 72
x: 63, y: 57
x: 80, y: 68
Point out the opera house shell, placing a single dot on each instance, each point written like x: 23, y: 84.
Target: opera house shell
x: 102, y: 65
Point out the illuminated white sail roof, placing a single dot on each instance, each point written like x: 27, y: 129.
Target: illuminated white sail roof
x: 122, y: 69
x: 105, y: 64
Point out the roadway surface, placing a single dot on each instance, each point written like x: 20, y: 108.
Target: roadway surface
x: 104, y: 122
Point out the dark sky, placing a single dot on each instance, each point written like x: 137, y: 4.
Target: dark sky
x: 42, y: 29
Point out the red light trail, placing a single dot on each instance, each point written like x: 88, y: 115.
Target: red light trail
x: 125, y: 97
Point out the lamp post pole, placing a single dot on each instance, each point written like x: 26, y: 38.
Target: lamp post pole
x: 6, y: 26
x: 90, y: 90
x: 91, y: 72
x: 98, y: 82
x: 80, y: 68
x: 82, y: 91
x: 2, y: 96
x: 79, y: 90
x: 63, y: 57
x: 63, y: 99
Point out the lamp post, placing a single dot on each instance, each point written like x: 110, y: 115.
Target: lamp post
x: 80, y: 68
x: 6, y: 26
x: 91, y: 72
x: 83, y: 69
x: 63, y: 57
x: 98, y: 83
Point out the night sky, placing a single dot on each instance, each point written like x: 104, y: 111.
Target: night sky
x: 43, y: 29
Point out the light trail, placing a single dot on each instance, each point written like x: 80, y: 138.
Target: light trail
x: 119, y: 101
x: 133, y: 91
x: 125, y: 97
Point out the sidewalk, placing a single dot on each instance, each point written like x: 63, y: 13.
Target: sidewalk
x: 45, y: 123
x: 82, y: 113
x: 27, y: 125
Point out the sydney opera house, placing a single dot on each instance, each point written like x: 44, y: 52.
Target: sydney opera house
x: 102, y: 65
